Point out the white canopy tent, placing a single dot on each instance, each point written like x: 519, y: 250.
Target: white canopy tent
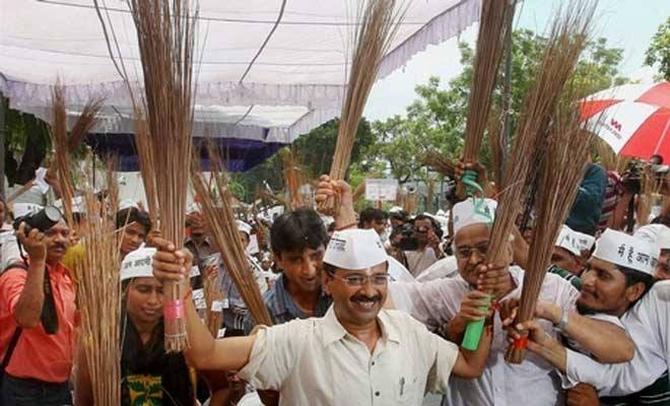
x: 273, y: 93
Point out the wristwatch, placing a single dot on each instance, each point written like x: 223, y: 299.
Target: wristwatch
x: 563, y: 322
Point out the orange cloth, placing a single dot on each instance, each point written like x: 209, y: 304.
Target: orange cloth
x: 37, y: 354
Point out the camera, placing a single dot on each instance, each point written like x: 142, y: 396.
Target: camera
x: 407, y: 240
x: 41, y: 220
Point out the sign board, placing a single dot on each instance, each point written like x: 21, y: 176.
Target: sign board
x: 381, y: 189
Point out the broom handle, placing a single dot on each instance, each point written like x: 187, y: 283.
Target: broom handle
x: 474, y: 329
x: 473, y: 332
x: 469, y: 179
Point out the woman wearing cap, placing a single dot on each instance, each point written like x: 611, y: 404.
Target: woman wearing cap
x: 148, y: 374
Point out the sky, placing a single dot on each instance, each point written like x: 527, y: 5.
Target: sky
x: 626, y: 24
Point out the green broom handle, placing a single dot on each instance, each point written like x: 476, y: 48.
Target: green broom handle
x: 474, y: 329
x: 469, y: 179
x: 473, y: 332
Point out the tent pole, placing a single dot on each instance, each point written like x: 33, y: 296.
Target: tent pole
x: 3, y: 133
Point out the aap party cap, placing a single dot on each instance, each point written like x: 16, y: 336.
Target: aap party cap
x: 473, y: 211
x: 574, y: 241
x: 137, y: 264
x: 626, y: 250
x: 243, y: 227
x: 656, y: 234
x: 355, y: 249
x: 78, y: 205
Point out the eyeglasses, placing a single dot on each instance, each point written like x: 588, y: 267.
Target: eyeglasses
x: 360, y: 280
x: 466, y: 252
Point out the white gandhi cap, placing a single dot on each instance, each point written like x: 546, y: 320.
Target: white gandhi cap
x: 627, y: 251
x: 137, y: 264
x: 574, y: 241
x: 355, y: 249
x: 473, y: 211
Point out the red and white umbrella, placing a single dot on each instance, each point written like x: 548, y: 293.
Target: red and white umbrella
x: 633, y: 119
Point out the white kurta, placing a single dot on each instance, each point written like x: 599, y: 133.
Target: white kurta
x: 446, y: 267
x: 316, y: 362
x: 648, y: 324
x: 531, y: 383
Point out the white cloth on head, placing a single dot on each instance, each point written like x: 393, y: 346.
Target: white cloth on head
x: 472, y: 211
x: 317, y: 362
x: 574, y: 241
x: 657, y: 234
x: 355, y: 249
x: 137, y: 264
x: 128, y: 203
x: 78, y: 205
x: 627, y: 251
x: 243, y: 227
x: 22, y: 209
x: 395, y: 209
x: 437, y: 302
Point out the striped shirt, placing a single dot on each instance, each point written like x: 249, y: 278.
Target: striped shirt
x: 658, y: 393
x: 283, y: 308
x: 612, y: 192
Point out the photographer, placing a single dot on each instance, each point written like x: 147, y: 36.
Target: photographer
x: 37, y: 316
x: 418, y: 244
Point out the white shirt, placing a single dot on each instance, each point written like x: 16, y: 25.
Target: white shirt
x: 419, y: 261
x: 398, y: 271
x: 533, y: 382
x: 648, y: 324
x: 446, y: 267
x: 316, y: 362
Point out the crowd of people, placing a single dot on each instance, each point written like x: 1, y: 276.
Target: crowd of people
x: 368, y: 307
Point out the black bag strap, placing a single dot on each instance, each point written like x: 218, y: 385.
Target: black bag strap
x: 49, y: 316
x: 10, y: 349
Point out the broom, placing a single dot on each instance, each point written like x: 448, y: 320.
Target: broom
x: 439, y: 164
x: 493, y: 26
x: 61, y: 161
x: 566, y: 41
x: 99, y: 297
x: 608, y: 158
x: 378, y: 24
x: 166, y: 41
x: 85, y: 122
x: 649, y: 190
x: 65, y: 145
x: 221, y: 222
x: 293, y: 179
x: 359, y: 192
x: 145, y: 154
x: 567, y: 151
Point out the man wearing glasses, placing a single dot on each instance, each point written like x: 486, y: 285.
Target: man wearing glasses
x: 447, y: 305
x: 357, y: 354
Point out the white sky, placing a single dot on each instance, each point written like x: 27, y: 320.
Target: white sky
x: 627, y: 24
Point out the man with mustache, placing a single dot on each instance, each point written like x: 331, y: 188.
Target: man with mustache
x: 357, y: 354
x: 618, y: 275
x: 37, y: 321
x: 450, y: 304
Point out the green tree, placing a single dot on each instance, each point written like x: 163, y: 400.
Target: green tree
x: 436, y: 120
x: 315, y: 151
x: 659, y: 50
